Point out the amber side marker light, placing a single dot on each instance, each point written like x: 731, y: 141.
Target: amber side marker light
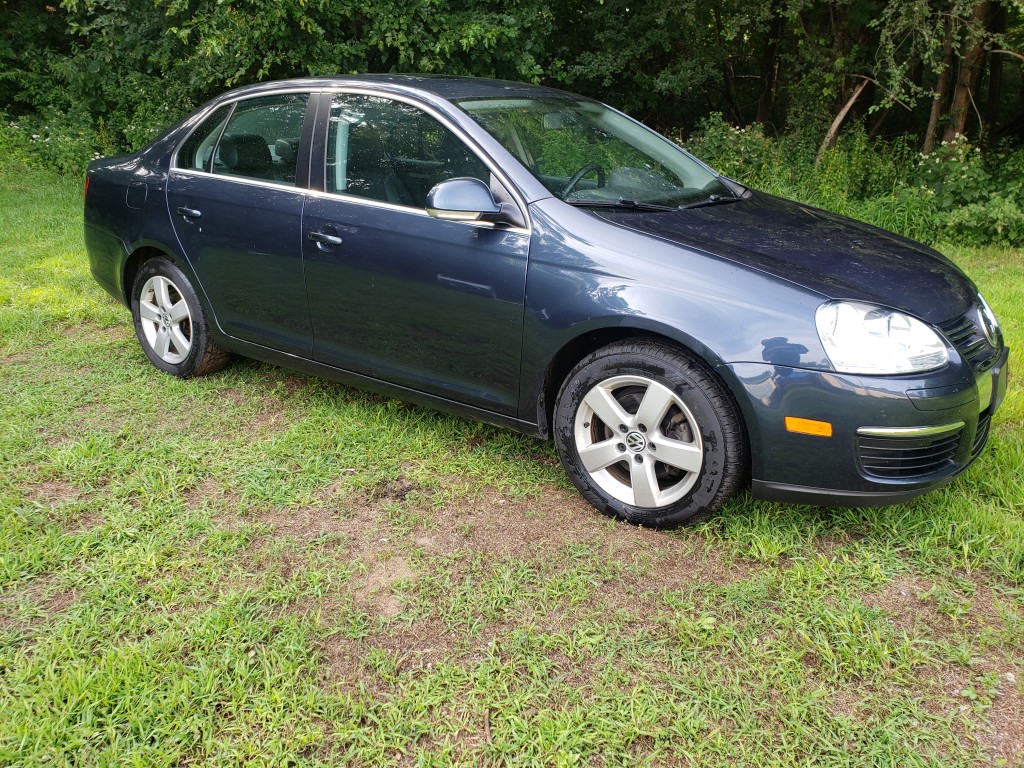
x: 808, y: 426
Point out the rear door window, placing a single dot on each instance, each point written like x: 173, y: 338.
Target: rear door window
x: 254, y: 139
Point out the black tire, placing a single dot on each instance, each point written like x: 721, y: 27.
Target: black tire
x: 170, y: 323
x: 681, y: 468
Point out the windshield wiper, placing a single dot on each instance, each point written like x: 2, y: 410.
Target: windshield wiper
x: 622, y: 204
x: 710, y: 200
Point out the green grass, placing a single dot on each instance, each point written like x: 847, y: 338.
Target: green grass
x: 259, y: 568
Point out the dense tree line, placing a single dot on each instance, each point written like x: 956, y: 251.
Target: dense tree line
x: 932, y: 69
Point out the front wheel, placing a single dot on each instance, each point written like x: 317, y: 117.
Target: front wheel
x: 170, y: 323
x: 648, y: 434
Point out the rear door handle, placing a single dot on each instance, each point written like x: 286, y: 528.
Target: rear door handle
x: 324, y: 238
x: 189, y: 213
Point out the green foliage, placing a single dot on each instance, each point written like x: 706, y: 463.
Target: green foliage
x: 956, y: 194
x: 127, y: 68
x: 82, y: 77
x: 739, y: 153
x: 65, y: 142
x: 980, y: 199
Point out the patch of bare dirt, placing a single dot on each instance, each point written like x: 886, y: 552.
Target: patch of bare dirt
x: 542, y: 528
x: 378, y: 584
x: 224, y: 501
x: 311, y: 523
x: 53, y: 492
x: 1004, y: 739
x: 913, y: 604
x: 905, y: 602
x: 44, y: 602
x: 57, y: 494
x: 983, y: 703
x: 16, y: 358
x: 344, y: 666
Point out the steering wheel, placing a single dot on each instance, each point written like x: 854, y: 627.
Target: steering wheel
x: 578, y: 176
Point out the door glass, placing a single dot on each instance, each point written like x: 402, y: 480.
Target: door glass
x: 393, y: 152
x: 197, y: 151
x: 261, y: 140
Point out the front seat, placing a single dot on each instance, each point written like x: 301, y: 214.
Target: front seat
x: 369, y: 171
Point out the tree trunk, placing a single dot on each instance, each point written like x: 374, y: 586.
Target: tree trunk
x: 967, y: 76
x: 941, y: 89
x: 769, y: 65
x: 876, y: 128
x: 995, y: 72
x: 732, y: 106
x: 833, y: 131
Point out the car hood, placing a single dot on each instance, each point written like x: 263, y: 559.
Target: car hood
x: 833, y: 255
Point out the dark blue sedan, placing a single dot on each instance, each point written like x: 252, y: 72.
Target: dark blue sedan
x: 537, y: 260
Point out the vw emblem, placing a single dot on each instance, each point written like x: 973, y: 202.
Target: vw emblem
x: 636, y: 442
x: 989, y: 325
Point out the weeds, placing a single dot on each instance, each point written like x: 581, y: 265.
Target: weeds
x: 956, y: 193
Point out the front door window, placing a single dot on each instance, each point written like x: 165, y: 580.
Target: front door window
x: 392, y: 152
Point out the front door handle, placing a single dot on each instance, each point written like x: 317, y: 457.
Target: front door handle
x: 324, y: 238
x: 189, y: 213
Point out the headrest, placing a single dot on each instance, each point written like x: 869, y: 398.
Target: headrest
x: 244, y: 152
x: 286, y: 149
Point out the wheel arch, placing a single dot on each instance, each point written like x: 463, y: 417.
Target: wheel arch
x: 134, y: 263
x: 570, y: 354
x: 147, y: 250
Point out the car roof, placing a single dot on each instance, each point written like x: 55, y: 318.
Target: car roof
x: 448, y: 87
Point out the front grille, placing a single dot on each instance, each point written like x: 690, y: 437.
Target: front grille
x: 966, y: 335
x: 898, y: 457
x: 981, y: 434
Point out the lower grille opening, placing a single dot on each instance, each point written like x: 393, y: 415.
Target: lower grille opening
x: 902, y: 458
x: 981, y: 435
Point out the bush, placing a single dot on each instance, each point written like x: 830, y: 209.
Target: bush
x: 59, y: 142
x: 957, y: 193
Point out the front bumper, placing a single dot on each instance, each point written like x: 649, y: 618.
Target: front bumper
x: 892, y: 438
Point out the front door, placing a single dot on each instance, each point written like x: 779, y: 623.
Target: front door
x: 432, y: 305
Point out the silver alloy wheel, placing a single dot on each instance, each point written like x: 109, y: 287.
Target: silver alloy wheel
x: 639, y: 441
x: 166, y: 321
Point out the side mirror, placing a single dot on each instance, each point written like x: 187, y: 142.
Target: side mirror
x: 461, y: 199
x: 466, y: 199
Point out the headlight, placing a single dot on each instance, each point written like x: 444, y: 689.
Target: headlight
x: 861, y: 338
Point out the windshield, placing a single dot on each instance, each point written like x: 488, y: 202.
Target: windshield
x: 584, y: 152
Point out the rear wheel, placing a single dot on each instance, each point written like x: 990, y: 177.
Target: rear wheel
x: 170, y: 323
x: 648, y: 434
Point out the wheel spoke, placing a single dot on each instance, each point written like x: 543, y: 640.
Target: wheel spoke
x: 606, y: 408
x: 597, y: 456
x: 676, y: 453
x: 657, y: 400
x: 179, y: 311
x: 645, y: 484
x: 181, y: 343
x: 162, y: 342
x: 163, y: 296
x: 149, y: 312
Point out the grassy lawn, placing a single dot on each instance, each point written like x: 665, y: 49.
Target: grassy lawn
x: 260, y: 568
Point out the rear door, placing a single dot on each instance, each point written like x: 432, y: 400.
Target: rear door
x: 235, y: 198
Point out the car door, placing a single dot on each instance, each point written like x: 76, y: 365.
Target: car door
x: 432, y: 305
x: 233, y: 197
